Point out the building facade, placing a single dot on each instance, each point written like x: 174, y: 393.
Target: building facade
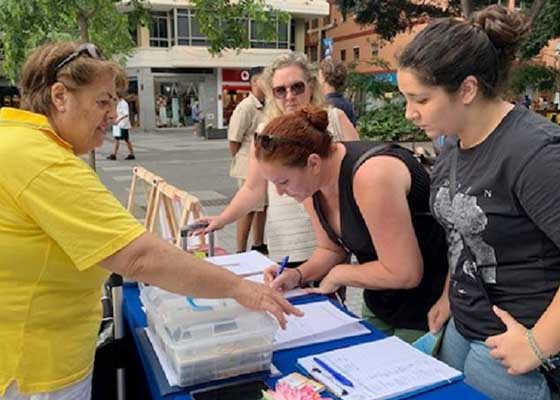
x: 172, y: 73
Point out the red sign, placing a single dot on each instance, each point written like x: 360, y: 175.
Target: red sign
x: 235, y: 75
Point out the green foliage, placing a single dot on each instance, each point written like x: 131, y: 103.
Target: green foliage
x: 536, y: 77
x: 545, y: 27
x: 360, y: 87
x: 388, y: 123
x: 225, y: 23
x: 391, y: 17
x: 34, y: 22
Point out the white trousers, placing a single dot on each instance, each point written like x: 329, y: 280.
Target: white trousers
x: 78, y: 391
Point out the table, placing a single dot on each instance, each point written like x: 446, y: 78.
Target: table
x: 284, y: 360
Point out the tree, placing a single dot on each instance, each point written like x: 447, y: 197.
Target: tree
x: 225, y: 22
x: 545, y: 26
x: 391, y: 17
x: 529, y: 76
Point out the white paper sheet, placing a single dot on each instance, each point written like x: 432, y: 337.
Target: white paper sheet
x: 243, y: 264
x: 288, y: 295
x: 322, y: 322
x: 384, y: 369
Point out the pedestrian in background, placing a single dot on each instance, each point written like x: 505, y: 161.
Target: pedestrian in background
x: 332, y: 78
x: 121, y: 130
x: 243, y: 124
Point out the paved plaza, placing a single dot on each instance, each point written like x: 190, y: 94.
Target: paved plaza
x: 190, y: 163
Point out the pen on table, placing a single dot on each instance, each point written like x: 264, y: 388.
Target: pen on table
x: 335, y: 374
x: 331, y: 386
x: 283, y: 265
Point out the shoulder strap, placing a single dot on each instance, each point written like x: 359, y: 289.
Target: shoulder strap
x: 325, y: 224
x: 370, y: 153
x: 366, y: 156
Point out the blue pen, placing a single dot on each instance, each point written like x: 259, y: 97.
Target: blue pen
x: 336, y: 375
x: 283, y: 264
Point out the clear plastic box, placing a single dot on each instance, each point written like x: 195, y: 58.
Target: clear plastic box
x: 207, y: 340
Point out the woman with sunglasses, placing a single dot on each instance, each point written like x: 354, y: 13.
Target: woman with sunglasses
x: 62, y: 231
x: 290, y: 85
x: 495, y: 191
x: 364, y: 199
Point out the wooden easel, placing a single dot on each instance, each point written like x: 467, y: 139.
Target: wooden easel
x: 150, y: 183
x: 173, y: 209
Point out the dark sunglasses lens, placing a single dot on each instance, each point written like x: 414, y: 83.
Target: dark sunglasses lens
x: 279, y: 92
x: 266, y: 142
x: 298, y: 88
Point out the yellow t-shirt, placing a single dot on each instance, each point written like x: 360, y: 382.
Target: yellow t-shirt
x: 57, y: 222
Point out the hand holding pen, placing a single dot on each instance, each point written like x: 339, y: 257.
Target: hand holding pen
x: 281, y: 278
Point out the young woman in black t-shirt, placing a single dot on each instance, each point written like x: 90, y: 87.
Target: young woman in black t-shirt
x: 368, y: 201
x: 495, y: 193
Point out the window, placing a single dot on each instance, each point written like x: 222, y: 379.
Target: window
x: 356, y: 53
x: 159, y: 32
x: 326, y: 20
x: 343, y: 55
x: 315, y: 23
x: 133, y: 35
x: 283, y: 40
x: 293, y: 34
x: 374, y: 49
x: 197, y: 37
x: 183, y: 27
x: 313, y: 53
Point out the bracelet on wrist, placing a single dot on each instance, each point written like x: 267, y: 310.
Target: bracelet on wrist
x: 546, y: 362
x: 300, y: 280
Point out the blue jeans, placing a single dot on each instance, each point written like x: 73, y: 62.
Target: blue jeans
x: 472, y: 357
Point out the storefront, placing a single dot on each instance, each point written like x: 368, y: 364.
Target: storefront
x: 176, y: 99
x: 173, y: 98
x: 235, y: 86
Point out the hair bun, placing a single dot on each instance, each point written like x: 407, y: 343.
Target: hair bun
x: 316, y: 117
x: 504, y: 27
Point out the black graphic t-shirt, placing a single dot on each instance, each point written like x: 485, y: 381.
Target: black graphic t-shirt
x: 503, y: 225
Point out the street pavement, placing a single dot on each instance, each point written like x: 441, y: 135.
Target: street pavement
x: 188, y: 162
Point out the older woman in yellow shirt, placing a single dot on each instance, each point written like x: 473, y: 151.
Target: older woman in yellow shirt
x: 62, y: 231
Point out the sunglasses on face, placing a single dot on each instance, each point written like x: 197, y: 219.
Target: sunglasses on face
x: 87, y: 49
x: 296, y: 89
x: 268, y: 143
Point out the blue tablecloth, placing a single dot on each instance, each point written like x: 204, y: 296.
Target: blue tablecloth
x: 284, y: 360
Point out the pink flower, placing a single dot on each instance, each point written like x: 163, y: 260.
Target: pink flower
x: 285, y: 392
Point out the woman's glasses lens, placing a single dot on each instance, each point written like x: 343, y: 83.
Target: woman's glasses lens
x: 296, y: 88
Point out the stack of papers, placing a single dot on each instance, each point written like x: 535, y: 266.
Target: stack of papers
x: 322, y: 322
x: 382, y: 369
x: 243, y: 264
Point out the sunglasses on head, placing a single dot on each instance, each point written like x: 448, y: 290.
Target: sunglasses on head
x: 295, y: 88
x: 87, y: 49
x: 268, y: 142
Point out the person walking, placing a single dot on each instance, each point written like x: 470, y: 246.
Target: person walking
x: 121, y: 130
